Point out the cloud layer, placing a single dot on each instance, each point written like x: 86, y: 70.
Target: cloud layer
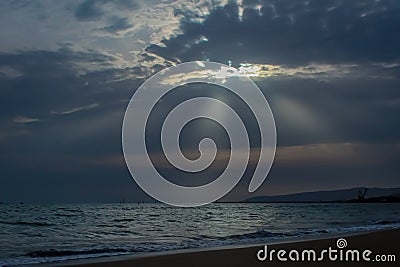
x: 329, y: 69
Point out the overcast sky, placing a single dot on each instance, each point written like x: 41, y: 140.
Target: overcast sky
x: 329, y: 69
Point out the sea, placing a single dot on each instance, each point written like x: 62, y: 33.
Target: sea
x: 32, y: 234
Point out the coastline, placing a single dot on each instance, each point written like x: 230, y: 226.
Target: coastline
x: 383, y: 242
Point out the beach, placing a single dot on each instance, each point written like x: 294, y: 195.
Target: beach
x: 381, y: 243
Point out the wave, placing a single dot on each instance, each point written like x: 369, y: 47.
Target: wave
x: 66, y: 215
x: 124, y: 220
x: 112, y: 226
x: 257, y: 234
x: 60, y: 253
x: 26, y: 223
x: 77, y: 210
x: 262, y: 234
x: 386, y: 222
x: 49, y: 256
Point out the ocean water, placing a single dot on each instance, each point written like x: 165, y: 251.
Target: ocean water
x: 49, y: 233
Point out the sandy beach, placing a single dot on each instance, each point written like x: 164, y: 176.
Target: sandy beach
x: 381, y: 243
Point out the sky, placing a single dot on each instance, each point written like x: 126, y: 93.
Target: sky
x: 330, y: 71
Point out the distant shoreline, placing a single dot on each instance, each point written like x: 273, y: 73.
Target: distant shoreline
x: 351, y: 195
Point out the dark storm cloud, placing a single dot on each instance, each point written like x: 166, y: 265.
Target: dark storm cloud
x: 89, y: 10
x: 360, y: 106
x: 292, y: 32
x: 44, y: 80
x: 59, y: 63
x: 118, y: 24
x: 51, y: 95
x: 60, y: 113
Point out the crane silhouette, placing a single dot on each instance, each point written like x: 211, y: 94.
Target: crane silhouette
x: 361, y: 193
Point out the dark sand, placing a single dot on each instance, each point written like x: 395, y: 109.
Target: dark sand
x: 381, y: 242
